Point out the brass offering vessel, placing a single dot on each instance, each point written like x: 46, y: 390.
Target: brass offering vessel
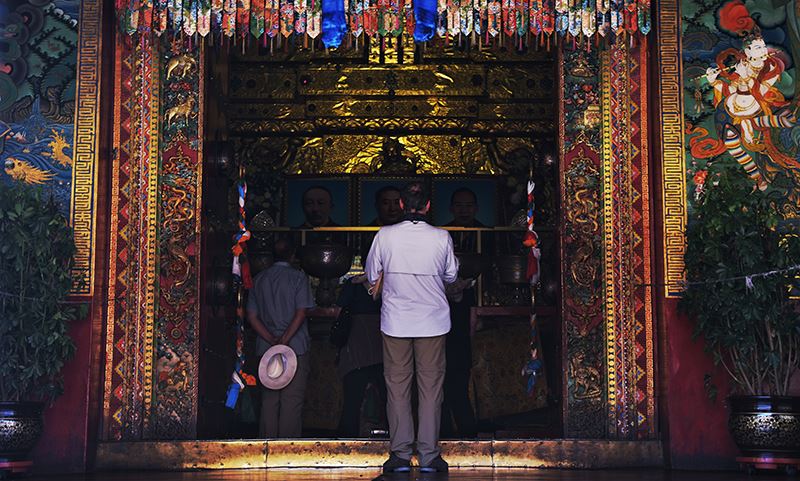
x: 327, y: 262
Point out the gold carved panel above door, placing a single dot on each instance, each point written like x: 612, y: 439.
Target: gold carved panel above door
x: 362, y: 154
x: 417, y: 107
x: 414, y: 80
x: 422, y: 153
x: 262, y: 82
x: 436, y: 114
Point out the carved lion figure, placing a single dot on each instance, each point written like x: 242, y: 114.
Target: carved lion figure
x: 183, y: 110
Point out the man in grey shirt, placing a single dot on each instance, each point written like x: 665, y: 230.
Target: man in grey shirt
x: 276, y: 310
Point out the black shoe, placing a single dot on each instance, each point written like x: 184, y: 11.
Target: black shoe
x: 396, y: 464
x: 438, y: 465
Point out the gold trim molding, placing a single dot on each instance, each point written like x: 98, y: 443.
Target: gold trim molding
x: 329, y: 453
x: 608, y: 241
x: 673, y: 161
x: 83, y: 205
x: 389, y: 124
x: 150, y: 50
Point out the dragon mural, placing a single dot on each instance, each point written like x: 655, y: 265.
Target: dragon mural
x: 39, y: 40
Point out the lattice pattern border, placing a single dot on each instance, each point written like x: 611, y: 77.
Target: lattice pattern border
x: 645, y: 357
x: 132, y: 256
x: 626, y: 241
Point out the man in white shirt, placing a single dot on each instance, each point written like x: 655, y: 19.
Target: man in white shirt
x: 416, y: 260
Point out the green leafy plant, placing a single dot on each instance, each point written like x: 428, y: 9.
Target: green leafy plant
x: 751, y: 328
x: 36, y: 249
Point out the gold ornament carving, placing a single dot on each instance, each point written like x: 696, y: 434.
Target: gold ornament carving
x: 582, y: 212
x: 263, y: 82
x: 180, y: 66
x: 518, y: 110
x: 184, y: 110
x: 363, y: 154
x: 520, y: 83
x: 416, y: 80
x: 390, y: 124
x: 251, y: 110
x: 406, y: 108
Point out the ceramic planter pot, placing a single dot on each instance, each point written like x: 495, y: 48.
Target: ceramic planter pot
x: 766, y: 426
x: 20, y: 427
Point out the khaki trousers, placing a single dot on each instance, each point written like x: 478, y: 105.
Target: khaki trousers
x: 282, y: 410
x: 400, y: 357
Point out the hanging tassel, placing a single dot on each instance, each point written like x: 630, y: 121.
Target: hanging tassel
x: 242, y: 280
x: 334, y: 23
x: 424, y: 19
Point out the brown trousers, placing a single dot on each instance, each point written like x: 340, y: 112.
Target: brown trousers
x: 282, y: 410
x: 400, y: 356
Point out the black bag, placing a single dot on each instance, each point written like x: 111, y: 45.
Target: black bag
x: 340, y: 330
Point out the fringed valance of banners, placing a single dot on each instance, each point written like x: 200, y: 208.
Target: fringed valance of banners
x: 332, y: 20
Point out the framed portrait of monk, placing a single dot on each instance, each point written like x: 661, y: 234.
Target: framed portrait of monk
x: 379, y: 200
x: 464, y: 202
x: 317, y: 202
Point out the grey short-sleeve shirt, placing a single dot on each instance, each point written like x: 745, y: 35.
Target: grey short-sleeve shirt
x: 277, y: 294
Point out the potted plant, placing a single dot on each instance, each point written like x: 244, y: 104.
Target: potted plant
x: 36, y: 249
x: 741, y: 260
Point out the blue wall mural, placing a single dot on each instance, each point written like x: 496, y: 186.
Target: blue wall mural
x: 38, y: 53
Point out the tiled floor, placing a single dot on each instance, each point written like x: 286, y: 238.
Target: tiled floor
x: 455, y: 475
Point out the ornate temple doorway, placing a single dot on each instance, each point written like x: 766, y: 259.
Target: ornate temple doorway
x: 372, y: 115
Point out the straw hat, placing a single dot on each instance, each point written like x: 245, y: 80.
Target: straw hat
x: 277, y: 367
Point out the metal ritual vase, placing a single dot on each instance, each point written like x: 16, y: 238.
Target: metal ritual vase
x: 511, y: 271
x: 327, y: 262
x: 21, y: 426
x: 766, y: 426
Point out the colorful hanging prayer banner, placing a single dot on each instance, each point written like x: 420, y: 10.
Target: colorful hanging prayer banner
x: 331, y: 20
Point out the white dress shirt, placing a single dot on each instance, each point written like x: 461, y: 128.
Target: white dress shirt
x: 417, y: 260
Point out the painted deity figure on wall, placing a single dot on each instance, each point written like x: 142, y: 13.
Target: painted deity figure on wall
x: 748, y: 106
x: 742, y: 95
